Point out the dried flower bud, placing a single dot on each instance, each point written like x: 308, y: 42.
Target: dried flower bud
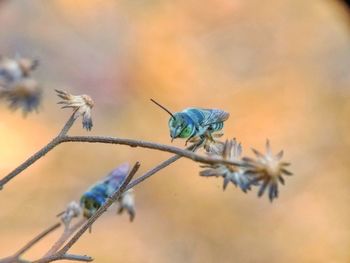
x: 12, y: 70
x: 27, y: 65
x: 208, y: 142
x: 73, y: 210
x: 231, y: 151
x: 267, y: 169
x: 81, y: 104
x: 127, y: 202
x: 25, y: 94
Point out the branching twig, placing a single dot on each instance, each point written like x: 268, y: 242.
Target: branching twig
x: 62, y: 253
x: 55, y: 141
x: 19, y: 253
x: 158, y: 168
x: 62, y: 137
x: 67, y: 233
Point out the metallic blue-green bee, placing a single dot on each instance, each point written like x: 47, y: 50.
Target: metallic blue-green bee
x: 97, y: 195
x: 192, y: 122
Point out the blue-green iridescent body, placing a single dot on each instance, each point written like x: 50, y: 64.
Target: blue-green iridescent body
x: 97, y: 195
x: 193, y: 122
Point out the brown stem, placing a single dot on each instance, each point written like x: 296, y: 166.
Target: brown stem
x: 150, y: 145
x: 16, y: 256
x: 62, y: 253
x: 68, y: 231
x: 55, y: 141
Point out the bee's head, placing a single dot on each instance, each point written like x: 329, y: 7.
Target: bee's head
x: 178, y: 123
x: 90, y: 202
x: 178, y: 126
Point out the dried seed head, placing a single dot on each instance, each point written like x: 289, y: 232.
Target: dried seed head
x: 73, y: 210
x: 127, y: 202
x: 82, y: 104
x: 12, y: 70
x: 267, y: 170
x: 25, y: 94
x: 27, y: 65
x: 209, y: 143
x: 231, y: 151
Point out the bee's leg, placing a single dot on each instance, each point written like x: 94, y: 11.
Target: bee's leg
x: 188, y: 140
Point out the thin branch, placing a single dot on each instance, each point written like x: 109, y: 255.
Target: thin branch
x: 55, y: 141
x: 158, y: 168
x: 29, y: 161
x: 68, y: 124
x: 68, y: 231
x: 62, y: 253
x: 52, y: 254
x: 76, y: 258
x: 31, y: 243
x: 113, y: 140
x: 150, y: 145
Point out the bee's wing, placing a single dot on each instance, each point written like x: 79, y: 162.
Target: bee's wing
x: 214, y: 116
x: 116, y: 177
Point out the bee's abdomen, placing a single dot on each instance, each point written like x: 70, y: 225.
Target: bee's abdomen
x: 216, y: 126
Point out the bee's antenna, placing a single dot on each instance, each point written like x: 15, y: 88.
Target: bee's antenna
x: 168, y: 111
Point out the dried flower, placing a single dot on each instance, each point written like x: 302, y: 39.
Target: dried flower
x: 12, y: 70
x: 209, y: 143
x: 81, y: 104
x: 267, y: 169
x: 231, y: 173
x: 25, y: 94
x: 73, y: 210
x: 127, y: 202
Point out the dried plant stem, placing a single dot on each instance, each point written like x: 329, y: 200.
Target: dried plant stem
x: 62, y: 253
x: 53, y: 255
x: 158, y: 168
x: 30, y: 244
x: 68, y: 231
x: 150, y: 145
x: 57, y: 140
x: 62, y: 138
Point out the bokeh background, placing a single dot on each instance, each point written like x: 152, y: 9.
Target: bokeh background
x: 280, y: 67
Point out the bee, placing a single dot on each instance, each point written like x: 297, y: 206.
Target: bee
x: 98, y: 194
x: 193, y: 122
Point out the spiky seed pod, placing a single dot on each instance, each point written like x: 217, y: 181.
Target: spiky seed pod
x: 82, y: 104
x: 25, y: 94
x: 127, y: 202
x: 12, y: 70
x: 231, y: 151
x: 73, y: 210
x: 267, y: 170
x: 209, y: 143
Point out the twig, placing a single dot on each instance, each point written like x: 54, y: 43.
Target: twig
x: 158, y: 168
x: 113, y: 140
x: 55, y: 141
x: 16, y: 256
x: 62, y: 253
x: 68, y: 231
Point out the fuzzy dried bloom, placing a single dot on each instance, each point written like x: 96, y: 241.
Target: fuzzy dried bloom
x: 209, y: 143
x: 25, y: 94
x: 127, y: 202
x: 73, y: 210
x: 81, y: 104
x: 267, y: 170
x: 12, y: 70
x: 231, y: 151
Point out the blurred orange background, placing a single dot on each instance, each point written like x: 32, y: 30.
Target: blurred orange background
x: 280, y: 68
